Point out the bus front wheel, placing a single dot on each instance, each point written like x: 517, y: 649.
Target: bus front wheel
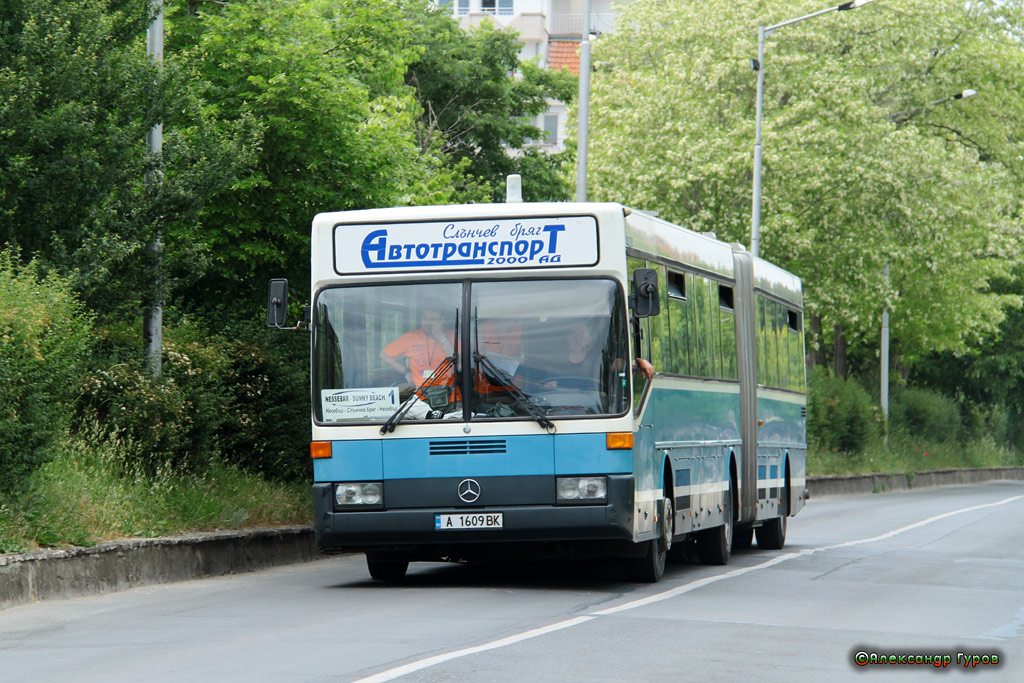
x: 385, y: 568
x: 650, y: 567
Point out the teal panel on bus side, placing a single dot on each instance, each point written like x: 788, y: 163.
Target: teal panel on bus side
x: 350, y: 461
x: 681, y: 414
x: 783, y: 421
x: 697, y: 424
x: 481, y: 457
x: 587, y: 454
x: 783, y: 433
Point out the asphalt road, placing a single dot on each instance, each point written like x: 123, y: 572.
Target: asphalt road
x: 924, y: 573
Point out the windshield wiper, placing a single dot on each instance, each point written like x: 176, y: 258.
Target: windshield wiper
x: 435, y: 374
x: 522, y: 399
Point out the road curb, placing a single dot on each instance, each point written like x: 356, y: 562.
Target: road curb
x: 855, y: 484
x: 117, y: 565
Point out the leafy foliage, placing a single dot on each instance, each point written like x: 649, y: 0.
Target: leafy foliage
x: 926, y: 414
x: 867, y: 160
x: 45, y: 339
x: 78, y: 95
x: 840, y: 416
x: 242, y: 397
x: 323, y: 82
x: 479, y: 101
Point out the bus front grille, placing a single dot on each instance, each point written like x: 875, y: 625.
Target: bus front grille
x: 478, y: 447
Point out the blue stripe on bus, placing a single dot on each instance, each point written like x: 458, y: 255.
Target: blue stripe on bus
x: 350, y: 461
x: 561, y: 454
x: 588, y: 454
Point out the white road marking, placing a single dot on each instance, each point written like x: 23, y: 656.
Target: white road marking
x: 418, y: 665
x: 392, y: 674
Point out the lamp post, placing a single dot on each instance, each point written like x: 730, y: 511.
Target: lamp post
x: 883, y: 393
x: 758, y: 64
x: 152, y: 324
x: 584, y: 107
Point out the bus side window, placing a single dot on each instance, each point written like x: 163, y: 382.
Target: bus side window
x: 659, y: 325
x: 727, y: 319
x: 639, y: 383
x: 679, y: 325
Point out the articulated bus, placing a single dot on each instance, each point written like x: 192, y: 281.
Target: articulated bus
x: 540, y: 380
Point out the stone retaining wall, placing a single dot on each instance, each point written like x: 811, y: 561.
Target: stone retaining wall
x: 117, y: 565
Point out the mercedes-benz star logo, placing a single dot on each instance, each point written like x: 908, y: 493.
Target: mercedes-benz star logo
x: 469, y: 490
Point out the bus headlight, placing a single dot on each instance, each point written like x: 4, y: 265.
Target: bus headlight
x: 582, y: 489
x: 359, y: 494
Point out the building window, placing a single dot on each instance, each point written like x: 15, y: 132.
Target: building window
x: 488, y: 6
x: 551, y: 129
x: 462, y: 7
x: 505, y: 7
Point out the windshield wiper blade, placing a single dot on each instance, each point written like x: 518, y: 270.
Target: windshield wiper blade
x: 436, y: 373
x: 504, y: 380
x: 403, y: 409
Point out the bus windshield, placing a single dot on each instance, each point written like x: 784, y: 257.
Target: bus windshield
x: 492, y: 350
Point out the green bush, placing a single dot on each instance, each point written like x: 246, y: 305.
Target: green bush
x: 266, y: 429
x: 242, y: 397
x: 154, y: 414
x: 991, y: 421
x: 174, y: 419
x: 840, y: 415
x: 926, y: 414
x: 45, y: 340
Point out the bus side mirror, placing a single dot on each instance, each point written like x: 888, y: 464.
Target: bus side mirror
x: 277, y: 303
x: 645, y: 301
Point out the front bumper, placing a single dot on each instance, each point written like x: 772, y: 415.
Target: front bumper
x: 612, y: 520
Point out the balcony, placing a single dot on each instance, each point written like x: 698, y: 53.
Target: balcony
x: 572, y: 24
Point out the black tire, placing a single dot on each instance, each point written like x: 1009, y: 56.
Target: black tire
x: 386, y: 568
x: 742, y: 537
x: 772, y: 534
x: 650, y: 567
x: 715, y: 545
x: 684, y: 552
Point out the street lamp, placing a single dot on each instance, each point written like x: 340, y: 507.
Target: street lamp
x: 758, y: 65
x: 884, y: 380
x: 153, y: 316
x: 583, y: 124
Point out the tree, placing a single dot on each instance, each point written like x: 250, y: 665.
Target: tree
x: 77, y: 95
x: 479, y: 101
x: 859, y: 167
x: 323, y: 81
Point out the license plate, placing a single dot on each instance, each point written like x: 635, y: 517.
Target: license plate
x: 488, y: 520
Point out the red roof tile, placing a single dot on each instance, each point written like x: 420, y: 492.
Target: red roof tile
x: 564, y: 53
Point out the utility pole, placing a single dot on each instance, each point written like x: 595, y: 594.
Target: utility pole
x: 153, y: 333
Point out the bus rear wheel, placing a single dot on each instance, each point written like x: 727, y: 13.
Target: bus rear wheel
x: 384, y: 567
x: 715, y: 545
x: 772, y: 534
x: 742, y: 537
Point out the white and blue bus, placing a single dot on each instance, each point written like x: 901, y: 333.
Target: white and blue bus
x: 482, y: 387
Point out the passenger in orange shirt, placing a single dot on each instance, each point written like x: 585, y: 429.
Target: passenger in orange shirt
x: 417, y: 353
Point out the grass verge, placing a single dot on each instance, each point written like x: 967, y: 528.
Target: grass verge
x: 907, y: 454
x: 89, y: 493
